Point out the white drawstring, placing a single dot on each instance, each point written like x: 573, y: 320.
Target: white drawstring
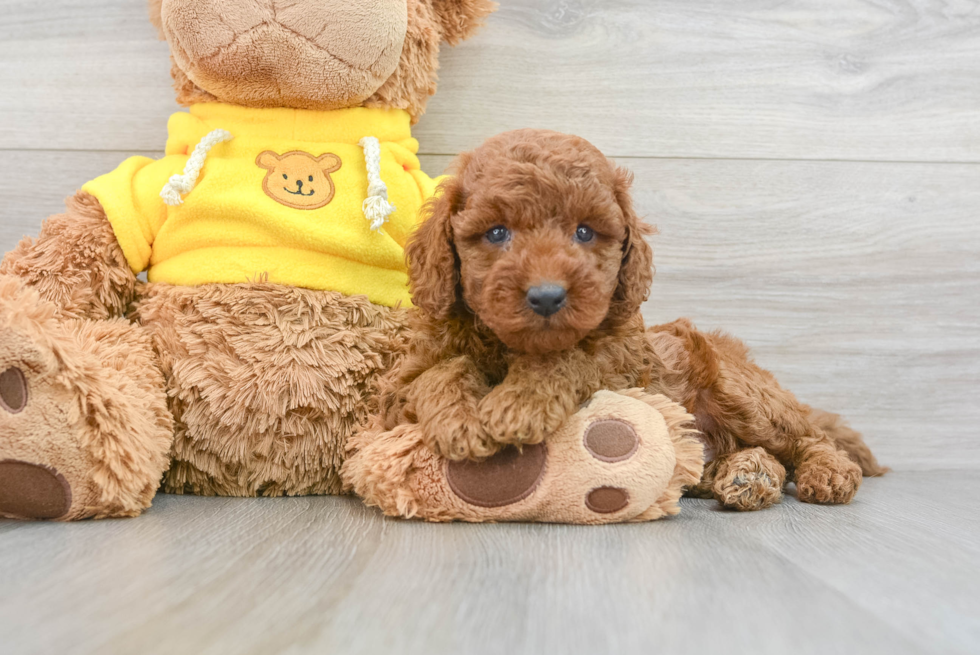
x: 376, y: 207
x: 183, y: 184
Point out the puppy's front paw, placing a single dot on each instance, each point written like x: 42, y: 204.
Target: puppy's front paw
x: 829, y: 479
x: 749, y: 480
x: 455, y: 434
x: 518, y: 416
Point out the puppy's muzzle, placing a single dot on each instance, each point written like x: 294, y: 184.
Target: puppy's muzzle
x: 546, y: 299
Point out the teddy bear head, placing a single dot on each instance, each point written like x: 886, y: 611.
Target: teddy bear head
x: 312, y: 54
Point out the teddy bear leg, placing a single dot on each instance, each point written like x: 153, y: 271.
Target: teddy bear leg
x: 623, y: 457
x: 84, y: 427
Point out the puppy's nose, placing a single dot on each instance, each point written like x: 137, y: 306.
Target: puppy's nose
x: 546, y: 299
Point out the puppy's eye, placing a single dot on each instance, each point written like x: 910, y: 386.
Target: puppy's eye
x: 584, y: 234
x: 498, y: 234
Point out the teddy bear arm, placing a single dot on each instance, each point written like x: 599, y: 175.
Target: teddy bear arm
x: 76, y: 262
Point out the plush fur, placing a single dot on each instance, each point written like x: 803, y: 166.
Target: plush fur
x: 484, y: 370
x: 266, y: 382
x: 312, y: 66
x: 90, y: 279
x: 96, y: 410
x: 395, y: 471
x: 237, y: 389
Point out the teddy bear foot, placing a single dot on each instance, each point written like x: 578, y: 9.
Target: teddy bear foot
x: 84, y: 428
x: 623, y: 457
x: 28, y: 490
x: 32, y: 491
x: 44, y: 471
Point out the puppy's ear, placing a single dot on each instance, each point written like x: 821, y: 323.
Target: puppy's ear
x: 636, y: 270
x: 459, y: 19
x: 433, y: 266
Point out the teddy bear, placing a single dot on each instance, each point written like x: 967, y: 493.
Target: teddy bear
x: 272, y: 235
x: 626, y: 456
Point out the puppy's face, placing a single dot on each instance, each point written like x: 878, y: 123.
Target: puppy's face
x: 543, y: 234
x: 540, y: 249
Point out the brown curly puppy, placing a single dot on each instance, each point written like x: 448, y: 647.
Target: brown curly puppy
x: 529, y: 276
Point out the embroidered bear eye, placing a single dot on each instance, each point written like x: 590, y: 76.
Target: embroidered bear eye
x: 498, y: 234
x: 311, y: 178
x: 285, y: 177
x: 584, y: 234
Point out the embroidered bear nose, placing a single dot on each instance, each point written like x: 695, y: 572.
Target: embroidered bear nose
x: 299, y: 183
x: 546, y: 299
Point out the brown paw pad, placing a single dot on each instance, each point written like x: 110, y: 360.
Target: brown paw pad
x: 503, y: 479
x: 13, y: 390
x: 611, y: 440
x: 606, y: 500
x: 32, y: 491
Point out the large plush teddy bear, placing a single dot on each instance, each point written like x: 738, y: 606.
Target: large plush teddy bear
x: 272, y: 234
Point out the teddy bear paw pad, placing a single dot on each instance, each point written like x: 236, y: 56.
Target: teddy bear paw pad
x: 615, y: 460
x: 32, y: 491
x: 607, y: 500
x: 611, y: 440
x: 507, y: 477
x: 13, y: 390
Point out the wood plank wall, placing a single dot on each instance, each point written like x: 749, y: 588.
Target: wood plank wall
x: 813, y: 166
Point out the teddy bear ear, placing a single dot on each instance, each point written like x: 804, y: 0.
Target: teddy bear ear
x: 267, y: 160
x: 329, y: 163
x: 156, y: 16
x: 460, y: 19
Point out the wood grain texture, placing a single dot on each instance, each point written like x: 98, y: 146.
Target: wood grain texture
x: 895, y: 80
x: 854, y: 282
x: 891, y: 573
x: 857, y: 282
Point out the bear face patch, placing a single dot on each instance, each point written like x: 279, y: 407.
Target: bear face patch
x: 297, y: 179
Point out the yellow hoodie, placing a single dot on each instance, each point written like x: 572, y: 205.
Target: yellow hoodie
x: 280, y: 196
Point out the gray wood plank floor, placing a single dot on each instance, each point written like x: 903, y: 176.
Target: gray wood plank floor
x: 814, y: 168
x: 895, y: 572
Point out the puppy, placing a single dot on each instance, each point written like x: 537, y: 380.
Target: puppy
x: 528, y: 276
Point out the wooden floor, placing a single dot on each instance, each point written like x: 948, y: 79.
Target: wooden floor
x: 814, y: 169
x: 895, y: 572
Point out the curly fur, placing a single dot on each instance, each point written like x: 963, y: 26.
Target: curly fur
x: 483, y: 370
x: 744, y: 480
